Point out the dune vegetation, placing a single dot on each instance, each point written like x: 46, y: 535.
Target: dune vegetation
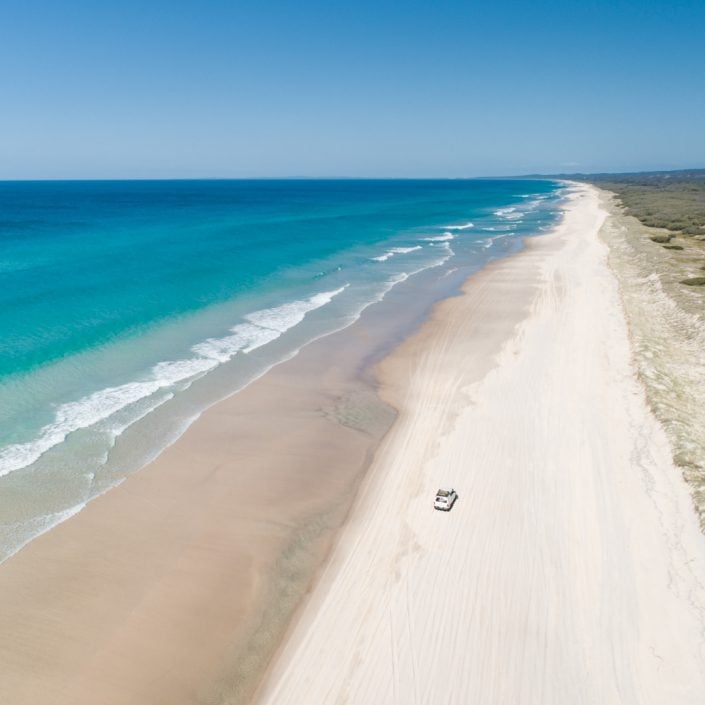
x: 674, y: 200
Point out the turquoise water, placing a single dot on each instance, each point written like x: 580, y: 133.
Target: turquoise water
x: 124, y: 304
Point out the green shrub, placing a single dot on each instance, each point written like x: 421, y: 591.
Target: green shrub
x: 671, y: 200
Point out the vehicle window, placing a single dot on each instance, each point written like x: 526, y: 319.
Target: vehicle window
x: 443, y: 493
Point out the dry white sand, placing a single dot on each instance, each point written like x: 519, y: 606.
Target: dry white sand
x: 571, y: 570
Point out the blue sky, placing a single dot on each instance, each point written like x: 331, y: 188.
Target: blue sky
x: 327, y: 88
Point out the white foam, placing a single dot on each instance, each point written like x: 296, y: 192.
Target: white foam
x: 439, y: 238
x: 118, y: 429
x: 282, y: 318
x: 463, y: 226
x: 534, y: 203
x: 509, y: 213
x: 245, y: 337
x: 395, y: 251
x: 96, y: 407
x: 169, y: 373
x: 488, y: 242
x: 500, y: 228
x: 263, y: 327
x: 40, y: 525
x: 450, y: 253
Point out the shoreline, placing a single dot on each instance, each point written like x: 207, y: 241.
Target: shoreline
x: 572, y: 565
x: 392, y: 393
x: 77, y: 421
x: 175, y: 586
x: 114, y: 599
x: 199, y: 578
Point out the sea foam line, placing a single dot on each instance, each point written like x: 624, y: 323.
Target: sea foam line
x: 395, y: 251
x: 463, y: 226
x: 509, y: 213
x: 439, y: 238
x: 40, y: 525
x: 398, y: 279
x: 262, y: 327
x: 500, y: 228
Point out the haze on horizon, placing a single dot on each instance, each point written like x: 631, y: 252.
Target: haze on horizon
x: 376, y: 89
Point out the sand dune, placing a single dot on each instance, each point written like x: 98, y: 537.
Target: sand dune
x: 571, y: 570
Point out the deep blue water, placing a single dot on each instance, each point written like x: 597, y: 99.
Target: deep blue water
x: 117, y: 297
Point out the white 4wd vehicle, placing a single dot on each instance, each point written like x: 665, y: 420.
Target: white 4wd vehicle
x: 445, y: 499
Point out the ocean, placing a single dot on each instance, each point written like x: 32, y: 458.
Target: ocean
x: 128, y: 307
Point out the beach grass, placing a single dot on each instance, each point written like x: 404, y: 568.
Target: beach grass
x: 663, y: 297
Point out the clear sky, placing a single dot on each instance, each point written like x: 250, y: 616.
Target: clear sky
x: 157, y: 88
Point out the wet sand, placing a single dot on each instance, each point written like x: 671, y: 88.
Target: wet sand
x: 176, y: 586
x: 572, y: 568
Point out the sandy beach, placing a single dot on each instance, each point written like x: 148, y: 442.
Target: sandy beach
x: 176, y: 586
x: 275, y: 280
x: 571, y: 569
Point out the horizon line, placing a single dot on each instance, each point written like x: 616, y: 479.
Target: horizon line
x: 526, y: 176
